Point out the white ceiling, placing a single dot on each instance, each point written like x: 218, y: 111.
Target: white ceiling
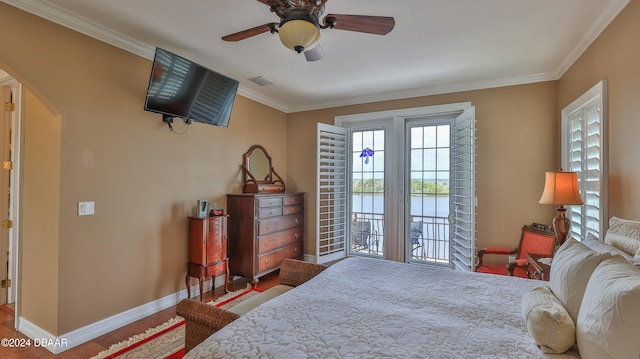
x: 437, y: 46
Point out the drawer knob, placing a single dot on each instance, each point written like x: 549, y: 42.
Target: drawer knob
x: 296, y: 235
x: 266, y: 261
x: 267, y: 226
x: 295, y: 249
x: 266, y: 243
x: 297, y: 220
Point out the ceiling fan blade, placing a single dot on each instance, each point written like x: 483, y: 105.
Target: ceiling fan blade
x: 272, y: 2
x: 250, y: 32
x: 315, y: 54
x: 378, y: 25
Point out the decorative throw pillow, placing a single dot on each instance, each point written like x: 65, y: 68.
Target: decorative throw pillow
x: 597, y: 245
x: 624, y: 235
x: 571, y: 269
x: 548, y: 321
x: 609, y: 319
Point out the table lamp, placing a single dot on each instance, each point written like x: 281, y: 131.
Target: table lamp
x: 561, y: 188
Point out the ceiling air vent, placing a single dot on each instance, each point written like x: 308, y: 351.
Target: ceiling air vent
x: 261, y: 81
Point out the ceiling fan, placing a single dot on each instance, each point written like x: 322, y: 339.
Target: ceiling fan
x: 300, y: 25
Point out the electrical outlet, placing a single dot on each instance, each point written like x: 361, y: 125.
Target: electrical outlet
x: 86, y: 208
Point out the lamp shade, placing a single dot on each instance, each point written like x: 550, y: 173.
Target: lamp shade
x: 561, y: 188
x: 299, y: 35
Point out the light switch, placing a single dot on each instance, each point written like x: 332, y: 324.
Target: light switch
x: 86, y: 208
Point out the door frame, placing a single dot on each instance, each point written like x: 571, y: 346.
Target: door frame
x: 395, y: 200
x: 15, y: 180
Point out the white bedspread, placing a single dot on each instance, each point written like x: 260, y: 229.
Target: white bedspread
x: 368, y: 308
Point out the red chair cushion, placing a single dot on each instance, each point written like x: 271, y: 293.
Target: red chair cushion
x: 502, y: 270
x: 497, y: 250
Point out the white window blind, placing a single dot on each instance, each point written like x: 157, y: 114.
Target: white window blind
x: 331, y: 243
x: 584, y: 145
x: 462, y: 191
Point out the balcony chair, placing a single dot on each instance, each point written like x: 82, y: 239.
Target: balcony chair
x: 415, y: 234
x: 360, y: 234
x: 535, y: 239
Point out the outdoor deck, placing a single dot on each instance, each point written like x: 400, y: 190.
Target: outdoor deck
x: 429, y: 237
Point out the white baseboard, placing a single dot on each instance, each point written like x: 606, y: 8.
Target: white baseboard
x: 58, y: 344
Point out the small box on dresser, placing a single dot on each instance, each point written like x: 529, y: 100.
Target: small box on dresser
x: 263, y: 230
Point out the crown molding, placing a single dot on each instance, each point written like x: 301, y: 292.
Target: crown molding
x: 597, y: 27
x: 267, y: 101
x: 62, y: 17
x: 432, y: 90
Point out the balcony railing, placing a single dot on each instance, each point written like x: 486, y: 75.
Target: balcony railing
x: 433, y: 243
x: 429, y: 240
x: 367, y: 233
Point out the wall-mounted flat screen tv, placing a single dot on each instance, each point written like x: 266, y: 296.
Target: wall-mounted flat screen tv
x: 181, y: 88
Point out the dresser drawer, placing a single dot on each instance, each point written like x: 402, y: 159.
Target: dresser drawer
x: 269, y: 212
x: 290, y: 200
x: 292, y: 209
x: 266, y: 226
x: 274, y: 259
x: 263, y: 202
x: 274, y: 241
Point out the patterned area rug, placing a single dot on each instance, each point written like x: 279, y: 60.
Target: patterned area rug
x: 166, y: 341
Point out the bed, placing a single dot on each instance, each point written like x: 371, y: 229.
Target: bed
x: 371, y: 308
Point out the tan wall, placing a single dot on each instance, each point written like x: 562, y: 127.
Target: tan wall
x: 615, y: 56
x: 516, y: 143
x: 144, y: 179
x: 40, y: 225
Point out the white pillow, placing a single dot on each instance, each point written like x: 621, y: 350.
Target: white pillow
x: 597, y: 245
x: 548, y: 321
x: 609, y: 319
x: 571, y: 269
x: 624, y: 235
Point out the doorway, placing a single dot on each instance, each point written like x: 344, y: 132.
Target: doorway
x: 10, y: 91
x: 408, y: 178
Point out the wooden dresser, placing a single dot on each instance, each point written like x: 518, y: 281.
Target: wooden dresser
x: 263, y: 230
x: 207, y: 250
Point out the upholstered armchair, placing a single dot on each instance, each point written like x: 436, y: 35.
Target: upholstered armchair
x: 536, y: 239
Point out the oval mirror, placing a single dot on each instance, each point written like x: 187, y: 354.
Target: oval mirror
x: 259, y: 173
x: 259, y: 164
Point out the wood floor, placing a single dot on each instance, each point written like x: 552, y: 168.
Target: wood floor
x: 103, y: 342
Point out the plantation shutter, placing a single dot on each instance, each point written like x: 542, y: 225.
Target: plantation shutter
x: 584, y: 144
x: 462, y: 191
x: 331, y: 212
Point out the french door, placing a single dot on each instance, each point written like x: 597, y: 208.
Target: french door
x: 367, y: 210
x: 404, y: 186
x: 428, y: 186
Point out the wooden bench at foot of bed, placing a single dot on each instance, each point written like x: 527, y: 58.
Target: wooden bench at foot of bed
x: 202, y: 319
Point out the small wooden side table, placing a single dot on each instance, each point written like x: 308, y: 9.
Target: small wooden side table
x: 207, y: 251
x: 536, y: 269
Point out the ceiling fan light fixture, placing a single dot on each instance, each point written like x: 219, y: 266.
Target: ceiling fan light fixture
x: 299, y: 35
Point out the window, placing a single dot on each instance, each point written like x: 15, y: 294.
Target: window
x: 584, y: 146
x: 391, y: 165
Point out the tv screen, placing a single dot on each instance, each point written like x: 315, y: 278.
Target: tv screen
x: 184, y: 89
